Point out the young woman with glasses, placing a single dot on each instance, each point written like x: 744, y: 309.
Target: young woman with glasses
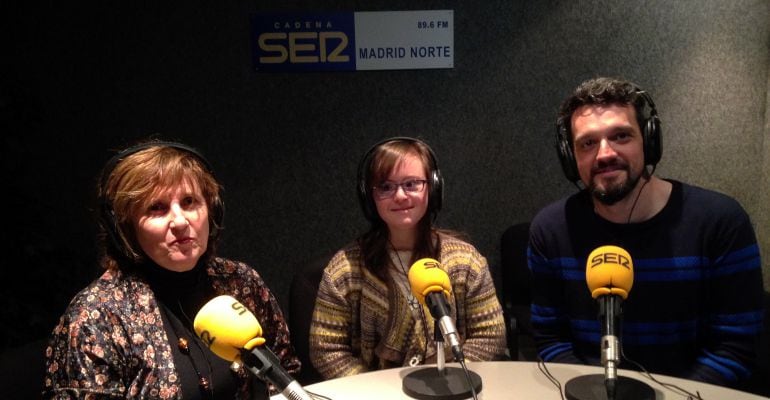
x: 366, y: 317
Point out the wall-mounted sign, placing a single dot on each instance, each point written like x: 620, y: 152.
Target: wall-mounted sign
x: 373, y: 40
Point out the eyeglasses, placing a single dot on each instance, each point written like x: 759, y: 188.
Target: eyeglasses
x: 388, y: 189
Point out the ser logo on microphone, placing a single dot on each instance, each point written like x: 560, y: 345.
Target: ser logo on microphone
x: 207, y: 338
x: 431, y: 264
x: 238, y: 307
x: 611, y: 258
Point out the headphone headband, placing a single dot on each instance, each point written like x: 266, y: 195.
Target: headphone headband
x: 113, y: 162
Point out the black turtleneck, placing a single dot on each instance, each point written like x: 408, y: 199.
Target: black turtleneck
x: 180, y: 295
x: 181, y: 292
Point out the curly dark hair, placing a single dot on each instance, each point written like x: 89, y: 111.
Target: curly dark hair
x: 602, y: 91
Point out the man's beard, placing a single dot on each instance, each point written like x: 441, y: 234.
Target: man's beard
x: 616, y: 192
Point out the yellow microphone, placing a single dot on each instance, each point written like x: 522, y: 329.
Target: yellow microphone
x: 431, y: 285
x: 228, y: 327
x: 233, y: 333
x: 426, y: 276
x: 609, y: 270
x: 610, y: 276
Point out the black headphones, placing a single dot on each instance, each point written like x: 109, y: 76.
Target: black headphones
x: 651, y: 137
x: 107, y: 219
x: 435, y: 181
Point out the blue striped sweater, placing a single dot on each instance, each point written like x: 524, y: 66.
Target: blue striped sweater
x: 695, y: 309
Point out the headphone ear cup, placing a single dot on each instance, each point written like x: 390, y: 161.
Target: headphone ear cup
x: 653, y: 147
x: 217, y: 217
x: 109, y: 224
x: 110, y: 227
x: 365, y: 200
x: 565, y: 153
x: 436, y: 197
x: 367, y: 206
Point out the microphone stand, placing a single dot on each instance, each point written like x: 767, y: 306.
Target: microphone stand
x: 441, y: 383
x: 440, y: 356
x: 263, y: 363
x: 608, y: 386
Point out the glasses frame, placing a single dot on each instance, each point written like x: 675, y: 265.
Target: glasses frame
x: 379, y: 194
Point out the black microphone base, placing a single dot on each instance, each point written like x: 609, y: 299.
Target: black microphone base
x: 428, y: 384
x: 591, y: 387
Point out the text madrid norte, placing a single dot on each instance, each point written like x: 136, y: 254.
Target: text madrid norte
x: 400, y: 52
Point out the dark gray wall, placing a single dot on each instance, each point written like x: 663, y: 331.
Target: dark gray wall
x: 81, y: 80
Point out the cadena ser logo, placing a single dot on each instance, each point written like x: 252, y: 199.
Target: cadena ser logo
x: 303, y: 42
x: 353, y: 41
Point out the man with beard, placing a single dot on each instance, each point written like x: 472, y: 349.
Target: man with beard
x: 696, y: 306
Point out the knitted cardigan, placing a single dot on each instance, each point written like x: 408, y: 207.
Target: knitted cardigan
x: 362, y: 323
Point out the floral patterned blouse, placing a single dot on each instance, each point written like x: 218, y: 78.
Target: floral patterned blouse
x: 111, y: 341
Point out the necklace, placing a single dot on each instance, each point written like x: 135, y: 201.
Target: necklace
x: 410, y: 299
x: 205, y: 385
x: 416, y: 359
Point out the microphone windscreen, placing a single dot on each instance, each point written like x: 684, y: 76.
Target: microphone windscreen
x: 609, y: 270
x: 227, y: 326
x: 426, y: 276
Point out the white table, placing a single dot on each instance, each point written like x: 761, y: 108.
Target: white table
x: 506, y: 380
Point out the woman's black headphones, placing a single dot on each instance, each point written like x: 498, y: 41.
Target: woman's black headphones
x: 107, y: 218
x: 435, y: 181
x: 651, y: 136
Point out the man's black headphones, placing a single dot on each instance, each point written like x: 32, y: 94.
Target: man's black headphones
x: 435, y: 181
x: 651, y: 136
x: 107, y: 218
